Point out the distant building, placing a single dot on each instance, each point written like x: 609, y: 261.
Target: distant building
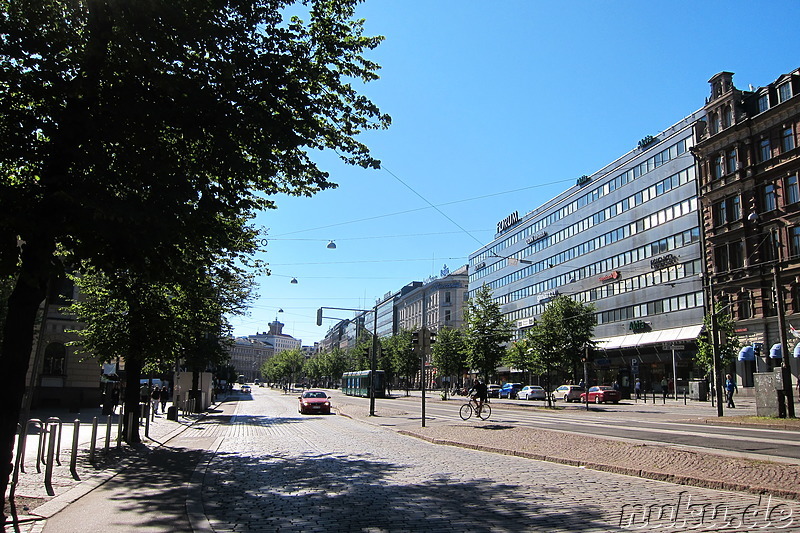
x: 435, y: 304
x: 280, y: 341
x: 748, y: 165
x: 247, y: 356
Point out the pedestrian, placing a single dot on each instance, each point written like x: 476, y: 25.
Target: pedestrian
x: 664, y: 388
x: 144, y: 393
x: 730, y: 388
x: 637, y: 387
x: 615, y: 386
x: 114, y: 399
x: 154, y: 399
x: 164, y: 397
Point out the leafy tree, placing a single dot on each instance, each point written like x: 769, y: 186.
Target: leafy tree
x: 448, y: 353
x: 486, y: 332
x: 286, y: 366
x: 519, y: 355
x: 729, y: 344
x: 404, y: 361
x: 132, y: 132
x: 559, y: 338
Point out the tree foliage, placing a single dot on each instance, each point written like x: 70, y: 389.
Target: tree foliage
x: 405, y: 362
x: 133, y: 133
x: 486, y: 332
x: 729, y: 342
x: 448, y: 354
x: 286, y: 366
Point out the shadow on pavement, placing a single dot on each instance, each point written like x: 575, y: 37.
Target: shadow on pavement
x: 318, y: 492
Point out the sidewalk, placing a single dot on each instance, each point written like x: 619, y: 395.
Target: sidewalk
x: 645, y: 460
x: 33, y: 503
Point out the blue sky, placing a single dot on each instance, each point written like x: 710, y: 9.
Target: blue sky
x: 497, y: 107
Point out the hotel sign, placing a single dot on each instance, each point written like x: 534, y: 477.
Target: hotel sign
x: 507, y: 222
x: 663, y: 262
x: 536, y: 237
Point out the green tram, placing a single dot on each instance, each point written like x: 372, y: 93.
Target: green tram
x: 357, y: 383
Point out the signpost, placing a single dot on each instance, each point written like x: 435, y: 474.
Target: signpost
x: 674, y: 348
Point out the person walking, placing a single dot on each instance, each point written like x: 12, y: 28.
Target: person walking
x: 730, y: 389
x: 155, y: 398
x: 164, y: 397
x: 637, y: 387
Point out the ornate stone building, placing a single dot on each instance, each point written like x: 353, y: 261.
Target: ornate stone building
x: 748, y: 165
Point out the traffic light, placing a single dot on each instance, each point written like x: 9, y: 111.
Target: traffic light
x: 432, y: 338
x: 319, y: 316
x: 757, y: 349
x: 415, y: 341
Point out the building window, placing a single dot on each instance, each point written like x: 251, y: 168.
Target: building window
x: 784, y: 92
x: 745, y: 306
x: 447, y: 315
x: 720, y: 213
x: 731, y: 161
x: 794, y: 241
x: 763, y: 103
x: 727, y: 210
x: 716, y: 124
x: 769, y: 198
x: 721, y: 259
x: 447, y: 297
x: 718, y: 167
x: 727, y: 117
x: 787, y: 140
x: 767, y: 247
x: 792, y: 190
x: 764, y: 151
x: 54, y: 357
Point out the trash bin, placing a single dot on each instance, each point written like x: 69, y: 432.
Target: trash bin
x: 698, y: 390
x: 172, y: 413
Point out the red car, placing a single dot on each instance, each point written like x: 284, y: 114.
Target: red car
x: 602, y: 394
x: 315, y: 401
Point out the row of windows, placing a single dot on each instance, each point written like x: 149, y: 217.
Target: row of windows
x: 726, y: 163
x: 662, y: 246
x: 730, y: 256
x: 664, y: 156
x: 649, y: 193
x: 784, y: 93
x: 657, y: 307
x: 729, y: 209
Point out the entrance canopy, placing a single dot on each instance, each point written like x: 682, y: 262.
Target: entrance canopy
x: 686, y: 333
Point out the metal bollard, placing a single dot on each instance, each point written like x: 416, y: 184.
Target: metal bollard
x: 23, y: 441
x: 73, y: 459
x: 54, y: 421
x: 108, y: 433
x: 131, y: 421
x: 684, y: 397
x: 120, y: 426
x: 51, y: 453
x: 146, y: 416
x: 94, y: 439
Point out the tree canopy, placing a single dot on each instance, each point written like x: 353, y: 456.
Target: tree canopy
x: 486, y: 333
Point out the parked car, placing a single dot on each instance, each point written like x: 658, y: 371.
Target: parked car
x: 510, y: 390
x: 314, y: 401
x: 602, y: 394
x: 532, y: 392
x: 567, y: 393
x: 493, y: 391
x: 246, y: 389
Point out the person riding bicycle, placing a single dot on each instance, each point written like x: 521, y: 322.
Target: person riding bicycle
x: 481, y: 393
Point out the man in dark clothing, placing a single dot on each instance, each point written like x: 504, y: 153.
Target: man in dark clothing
x: 481, y: 393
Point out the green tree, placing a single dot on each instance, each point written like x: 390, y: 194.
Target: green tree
x: 404, y: 361
x: 519, y: 355
x: 486, y: 332
x: 729, y: 344
x: 448, y: 353
x: 130, y: 131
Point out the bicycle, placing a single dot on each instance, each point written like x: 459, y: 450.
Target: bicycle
x: 481, y: 411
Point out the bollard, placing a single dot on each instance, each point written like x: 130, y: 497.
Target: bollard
x: 57, y: 421
x: 94, y: 440
x: 131, y: 421
x: 108, y: 433
x: 684, y: 397
x: 120, y: 425
x: 51, y: 453
x: 73, y: 459
x: 146, y: 413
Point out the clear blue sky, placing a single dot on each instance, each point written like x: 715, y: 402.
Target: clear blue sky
x: 497, y: 107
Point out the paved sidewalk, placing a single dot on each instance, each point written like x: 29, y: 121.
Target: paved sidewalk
x: 33, y: 503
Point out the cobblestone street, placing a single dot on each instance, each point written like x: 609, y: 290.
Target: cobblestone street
x: 278, y: 471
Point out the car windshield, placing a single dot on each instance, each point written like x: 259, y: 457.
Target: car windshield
x: 314, y: 395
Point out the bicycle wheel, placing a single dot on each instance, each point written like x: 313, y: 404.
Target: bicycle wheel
x: 485, y: 412
x: 465, y: 412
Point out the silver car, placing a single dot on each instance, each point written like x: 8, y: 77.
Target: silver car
x: 532, y: 392
x: 568, y: 393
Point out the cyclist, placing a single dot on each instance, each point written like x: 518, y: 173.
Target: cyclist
x: 481, y: 393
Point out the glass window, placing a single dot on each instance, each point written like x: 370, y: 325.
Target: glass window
x: 764, y: 152
x: 735, y: 255
x: 787, y: 140
x: 720, y: 213
x: 769, y: 197
x: 794, y: 241
x: 727, y: 117
x: 731, y: 161
x: 792, y: 190
x: 784, y: 92
x: 718, y: 166
x: 763, y: 103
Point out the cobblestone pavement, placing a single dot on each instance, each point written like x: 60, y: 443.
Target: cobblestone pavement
x: 278, y: 471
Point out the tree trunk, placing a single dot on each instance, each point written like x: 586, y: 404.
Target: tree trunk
x: 23, y: 305
x: 133, y: 374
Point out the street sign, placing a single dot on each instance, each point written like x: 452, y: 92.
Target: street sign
x: 676, y: 347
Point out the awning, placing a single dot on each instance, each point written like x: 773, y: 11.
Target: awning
x: 686, y: 333
x: 747, y: 354
x: 797, y: 350
x: 775, y: 351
